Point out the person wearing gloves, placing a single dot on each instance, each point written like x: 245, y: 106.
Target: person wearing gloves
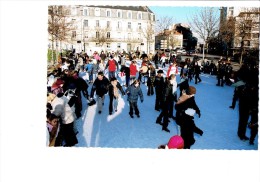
x: 100, y: 86
x: 113, y: 92
x: 133, y: 91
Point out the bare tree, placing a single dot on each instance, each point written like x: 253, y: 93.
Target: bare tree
x: 163, y: 23
x: 148, y: 34
x: 227, y: 32
x: 59, y: 27
x: 245, y: 22
x: 173, y: 41
x: 102, y: 35
x: 205, y: 24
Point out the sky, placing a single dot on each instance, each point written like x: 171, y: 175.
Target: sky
x: 180, y: 14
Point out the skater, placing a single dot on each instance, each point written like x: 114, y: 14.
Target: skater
x: 113, y: 93
x: 151, y: 77
x: 133, y: 91
x: 100, y: 86
x: 188, y: 128
x: 169, y: 95
x: 158, y: 85
x: 197, y: 72
x: 112, y: 66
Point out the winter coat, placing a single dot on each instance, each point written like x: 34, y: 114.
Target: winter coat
x: 172, y: 70
x: 111, y: 89
x: 125, y: 70
x: 133, y: 70
x: 95, y: 68
x: 182, y: 106
x: 158, y: 84
x: 62, y: 109
x: 100, y: 87
x: 184, y: 84
x: 112, y: 65
x: 133, y: 93
x: 169, y: 93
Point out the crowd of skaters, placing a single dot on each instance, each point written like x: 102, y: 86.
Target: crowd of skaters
x: 65, y: 90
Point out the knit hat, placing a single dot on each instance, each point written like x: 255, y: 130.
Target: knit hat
x: 192, y: 90
x: 176, y: 142
x: 160, y: 71
x: 190, y: 112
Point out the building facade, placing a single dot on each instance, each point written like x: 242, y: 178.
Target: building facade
x: 246, y: 26
x: 110, y: 28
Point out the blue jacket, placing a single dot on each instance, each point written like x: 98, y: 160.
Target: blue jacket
x: 133, y: 93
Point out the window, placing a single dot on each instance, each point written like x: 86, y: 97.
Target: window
x: 119, y: 24
x: 97, y: 23
x: 108, y: 13
x: 119, y: 14
x: 85, y: 23
x: 86, y: 34
x: 139, y: 16
x: 85, y: 12
x: 74, y: 11
x: 118, y: 45
x: 108, y: 35
x: 139, y: 36
x: 108, y: 45
x: 97, y: 35
x: 129, y: 35
x: 97, y: 11
x: 108, y: 24
x: 129, y: 15
x: 255, y: 35
x: 74, y: 34
x: 129, y: 25
x: 139, y: 26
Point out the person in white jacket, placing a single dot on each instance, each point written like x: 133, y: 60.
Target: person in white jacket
x: 61, y: 108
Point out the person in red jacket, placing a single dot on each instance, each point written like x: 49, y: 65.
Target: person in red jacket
x: 112, y: 66
x: 133, y: 71
x: 173, y: 69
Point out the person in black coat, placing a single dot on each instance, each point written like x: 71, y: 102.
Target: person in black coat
x: 73, y: 81
x: 197, y: 72
x: 169, y: 96
x: 151, y: 78
x: 126, y: 70
x: 156, y: 60
x: 221, y: 73
x: 184, y: 84
x: 158, y: 85
x: 184, y: 102
x: 113, y: 92
x: 100, y: 86
x: 188, y: 128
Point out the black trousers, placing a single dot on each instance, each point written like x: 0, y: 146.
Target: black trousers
x: 133, y: 108
x: 243, y: 120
